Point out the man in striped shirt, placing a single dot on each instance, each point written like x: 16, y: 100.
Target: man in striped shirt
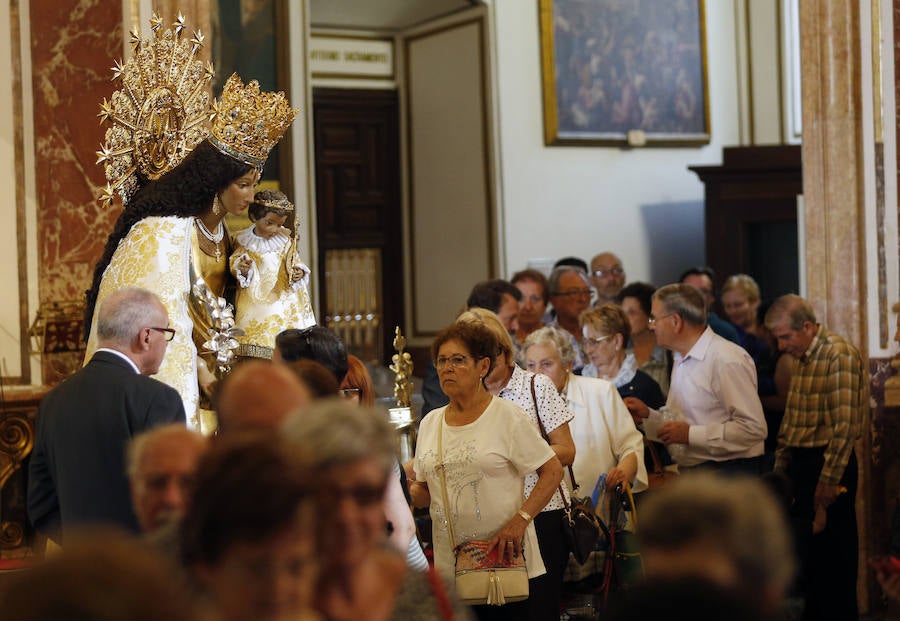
x: 822, y: 421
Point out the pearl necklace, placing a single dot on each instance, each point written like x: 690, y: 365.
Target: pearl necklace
x: 215, y: 238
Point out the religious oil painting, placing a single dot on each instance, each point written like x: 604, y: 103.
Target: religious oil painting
x: 617, y: 70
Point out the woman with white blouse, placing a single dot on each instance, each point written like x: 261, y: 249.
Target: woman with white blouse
x: 606, y: 439
x: 482, y: 447
x: 508, y: 381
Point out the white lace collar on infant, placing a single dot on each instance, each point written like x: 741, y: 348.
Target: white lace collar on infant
x: 254, y: 243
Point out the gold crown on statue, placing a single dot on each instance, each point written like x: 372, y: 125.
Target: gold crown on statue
x: 159, y: 114
x: 247, y: 123
x: 273, y: 200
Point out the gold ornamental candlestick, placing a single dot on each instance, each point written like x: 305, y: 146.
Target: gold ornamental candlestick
x: 402, y: 367
x: 401, y: 415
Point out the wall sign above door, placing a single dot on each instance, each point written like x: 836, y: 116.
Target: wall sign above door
x: 346, y: 57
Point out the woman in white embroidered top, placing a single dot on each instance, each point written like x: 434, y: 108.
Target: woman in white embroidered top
x: 486, y: 445
x: 272, y: 294
x: 508, y: 381
x: 606, y: 439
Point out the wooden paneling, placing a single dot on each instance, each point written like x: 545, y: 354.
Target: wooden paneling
x: 751, y: 216
x: 358, y: 189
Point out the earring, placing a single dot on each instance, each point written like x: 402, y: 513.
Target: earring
x: 216, y: 211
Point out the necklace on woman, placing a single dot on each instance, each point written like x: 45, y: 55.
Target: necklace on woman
x: 215, y: 238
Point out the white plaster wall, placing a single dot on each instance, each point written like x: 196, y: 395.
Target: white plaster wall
x: 642, y: 204
x: 764, y: 69
x: 301, y: 132
x: 448, y: 182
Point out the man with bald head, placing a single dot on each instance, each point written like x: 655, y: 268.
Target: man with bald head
x: 77, y: 470
x: 259, y: 395
x: 161, y: 467
x: 608, y: 277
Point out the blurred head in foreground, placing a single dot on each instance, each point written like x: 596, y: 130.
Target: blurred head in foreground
x: 248, y: 539
x: 730, y: 531
x: 352, y: 450
x: 102, y: 575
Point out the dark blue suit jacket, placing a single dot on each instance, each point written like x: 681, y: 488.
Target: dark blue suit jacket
x: 77, y: 470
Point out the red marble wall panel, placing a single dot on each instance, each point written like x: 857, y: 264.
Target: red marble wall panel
x: 885, y: 474
x: 73, y: 44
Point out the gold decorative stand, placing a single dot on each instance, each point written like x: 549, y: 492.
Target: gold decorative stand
x: 402, y: 415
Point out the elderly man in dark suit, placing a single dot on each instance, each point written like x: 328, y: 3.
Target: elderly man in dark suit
x: 77, y: 472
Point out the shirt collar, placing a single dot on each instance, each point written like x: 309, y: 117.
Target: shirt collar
x: 122, y: 356
x: 701, y: 346
x: 814, y: 344
x: 516, y: 381
x: 572, y: 396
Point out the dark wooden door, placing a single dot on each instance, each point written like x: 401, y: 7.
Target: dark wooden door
x: 751, y: 216
x: 358, y: 209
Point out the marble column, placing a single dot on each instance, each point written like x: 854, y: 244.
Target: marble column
x: 832, y: 164
x: 833, y: 187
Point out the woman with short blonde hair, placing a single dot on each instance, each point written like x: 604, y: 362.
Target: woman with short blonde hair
x: 741, y: 301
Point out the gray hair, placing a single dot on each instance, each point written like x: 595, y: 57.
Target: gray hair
x: 739, y: 516
x: 683, y: 300
x: 550, y: 336
x: 125, y: 312
x: 792, y: 307
x: 556, y: 274
x: 333, y: 432
x: 139, y: 443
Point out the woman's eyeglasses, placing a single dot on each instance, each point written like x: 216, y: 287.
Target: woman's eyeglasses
x: 455, y: 361
x: 350, y: 393
x: 589, y: 342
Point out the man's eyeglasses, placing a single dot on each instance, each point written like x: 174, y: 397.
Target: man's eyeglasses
x: 653, y: 320
x: 456, y: 361
x: 613, y: 271
x: 170, y: 332
x: 589, y: 342
x: 574, y: 293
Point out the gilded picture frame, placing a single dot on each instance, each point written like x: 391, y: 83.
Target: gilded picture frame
x: 617, y: 73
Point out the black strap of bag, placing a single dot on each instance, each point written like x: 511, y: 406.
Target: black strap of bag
x: 582, y: 527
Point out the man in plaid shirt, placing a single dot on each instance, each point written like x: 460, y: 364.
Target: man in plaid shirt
x: 822, y: 421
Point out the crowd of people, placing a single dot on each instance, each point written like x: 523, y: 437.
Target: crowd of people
x: 297, y: 507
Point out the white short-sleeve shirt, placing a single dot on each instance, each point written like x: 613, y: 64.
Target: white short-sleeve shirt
x: 485, y: 465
